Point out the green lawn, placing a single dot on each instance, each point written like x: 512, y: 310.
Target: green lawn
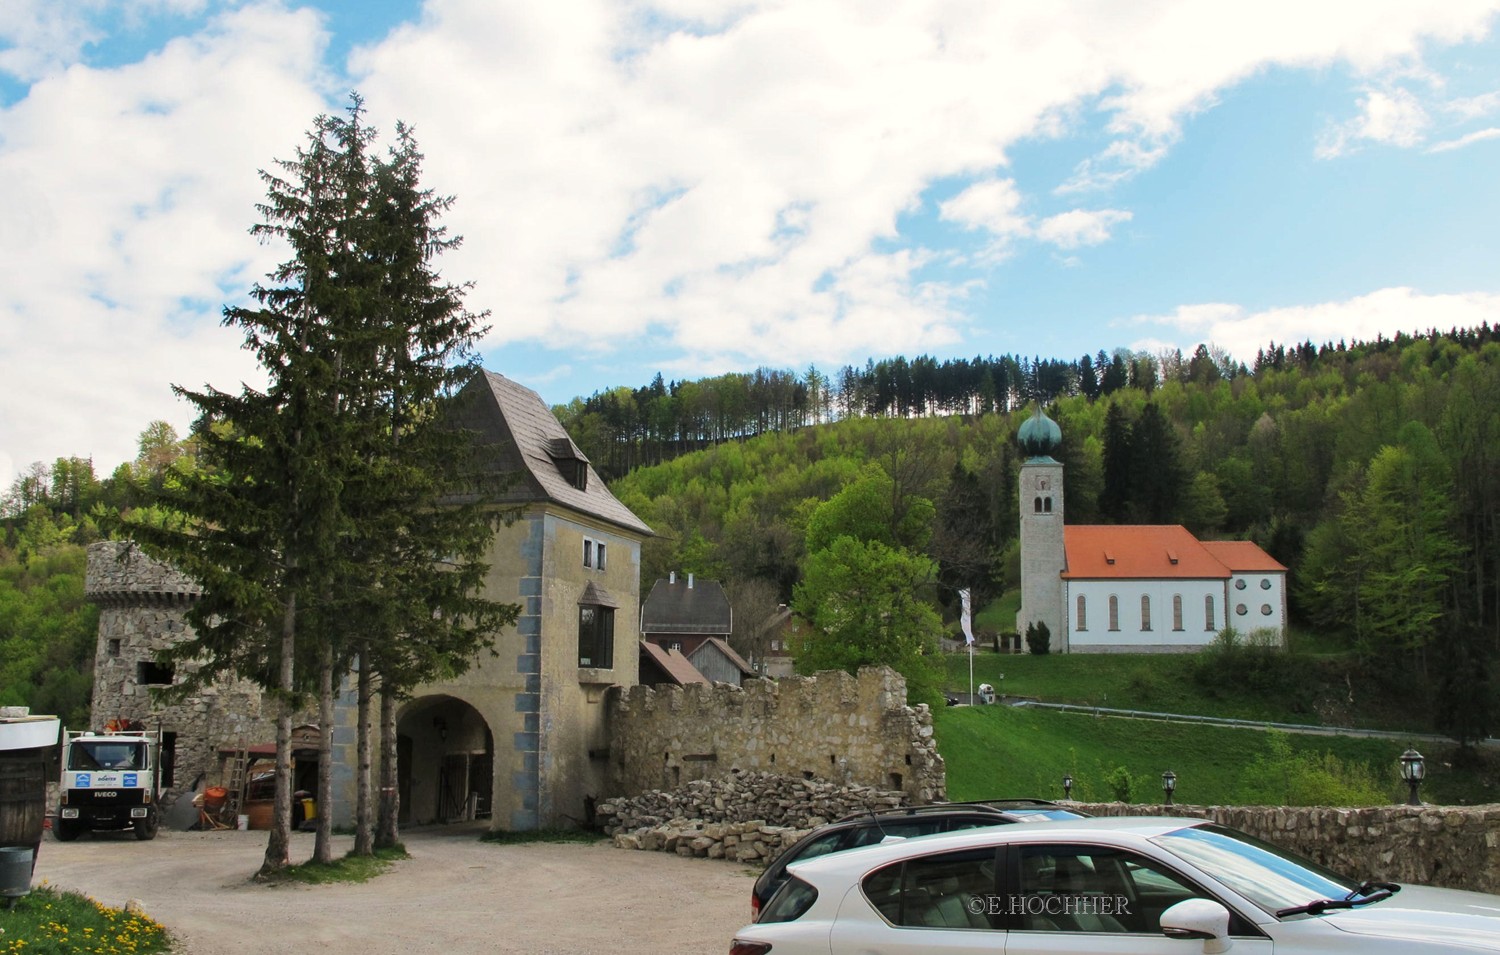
x: 994, y: 751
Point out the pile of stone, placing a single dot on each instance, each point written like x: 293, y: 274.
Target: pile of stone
x: 746, y: 817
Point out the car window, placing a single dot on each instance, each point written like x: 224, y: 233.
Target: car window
x: 822, y: 845
x: 906, y: 829
x: 951, y: 890
x: 1095, y: 889
x: 790, y: 901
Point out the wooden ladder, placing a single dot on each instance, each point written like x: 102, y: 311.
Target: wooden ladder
x: 236, y: 783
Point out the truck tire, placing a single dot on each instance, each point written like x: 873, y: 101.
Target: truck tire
x: 145, y: 828
x: 66, y: 830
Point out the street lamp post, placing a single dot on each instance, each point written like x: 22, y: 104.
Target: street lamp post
x: 1413, y: 770
x: 1068, y: 786
x: 1169, y: 784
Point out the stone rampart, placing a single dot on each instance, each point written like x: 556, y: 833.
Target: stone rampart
x: 847, y: 730
x: 1453, y: 846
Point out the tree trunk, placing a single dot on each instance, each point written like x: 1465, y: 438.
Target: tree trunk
x: 364, y: 835
x: 323, y: 846
x: 387, y: 835
x: 278, y: 844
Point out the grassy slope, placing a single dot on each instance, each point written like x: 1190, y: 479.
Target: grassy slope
x: 1004, y: 751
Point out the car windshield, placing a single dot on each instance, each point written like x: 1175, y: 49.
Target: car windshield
x: 1272, y: 878
x: 1043, y: 815
x: 90, y: 756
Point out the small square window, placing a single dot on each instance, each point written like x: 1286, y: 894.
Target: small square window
x: 599, y: 556
x: 114, y: 646
x: 588, y: 553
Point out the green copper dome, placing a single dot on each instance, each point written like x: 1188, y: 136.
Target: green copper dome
x: 1039, y: 435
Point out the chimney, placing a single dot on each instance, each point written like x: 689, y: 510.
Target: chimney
x: 690, y: 581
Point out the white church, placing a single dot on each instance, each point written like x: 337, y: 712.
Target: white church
x: 1121, y: 588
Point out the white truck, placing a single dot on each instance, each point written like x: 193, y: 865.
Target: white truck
x: 110, y: 780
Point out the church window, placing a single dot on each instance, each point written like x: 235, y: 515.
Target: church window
x: 1145, y: 612
x: 1114, y: 612
x: 1208, y: 613
x: 1239, y: 584
x: 1037, y: 505
x: 1265, y: 609
x: 1240, y: 609
x: 1082, y: 617
x: 1177, y: 611
x: 1046, y: 505
x: 1265, y: 584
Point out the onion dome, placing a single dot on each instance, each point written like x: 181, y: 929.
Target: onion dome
x: 1039, y: 435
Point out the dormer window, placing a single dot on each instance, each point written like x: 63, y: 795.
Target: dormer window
x: 570, y: 461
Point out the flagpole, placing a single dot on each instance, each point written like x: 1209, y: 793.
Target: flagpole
x: 967, y: 623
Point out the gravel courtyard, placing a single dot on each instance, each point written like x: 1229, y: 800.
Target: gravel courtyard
x: 454, y: 895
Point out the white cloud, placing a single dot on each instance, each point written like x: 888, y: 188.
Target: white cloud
x: 1383, y: 312
x: 1080, y: 227
x: 1396, y: 118
x: 1478, y: 136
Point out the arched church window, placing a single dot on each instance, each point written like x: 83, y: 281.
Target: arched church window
x: 1082, y: 616
x: 1114, y: 612
x: 1145, y: 612
x: 1037, y: 505
x: 1047, y: 505
x: 1177, y: 611
x: 1208, y: 613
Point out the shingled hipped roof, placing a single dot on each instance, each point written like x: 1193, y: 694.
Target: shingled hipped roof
x: 1156, y: 551
x: 528, y: 440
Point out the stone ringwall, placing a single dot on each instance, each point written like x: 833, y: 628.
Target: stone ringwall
x: 744, y: 817
x: 848, y: 730
x: 1457, y: 847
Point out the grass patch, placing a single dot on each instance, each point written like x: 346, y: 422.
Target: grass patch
x: 994, y: 751
x: 507, y: 838
x: 350, y: 868
x: 49, y: 922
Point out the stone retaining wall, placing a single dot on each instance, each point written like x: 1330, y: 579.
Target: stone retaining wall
x: 853, y: 731
x: 1457, y: 847
x: 744, y: 817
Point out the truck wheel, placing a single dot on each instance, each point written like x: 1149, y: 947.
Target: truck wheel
x: 66, y: 830
x: 145, y: 828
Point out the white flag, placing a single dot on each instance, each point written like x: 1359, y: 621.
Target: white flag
x: 963, y: 597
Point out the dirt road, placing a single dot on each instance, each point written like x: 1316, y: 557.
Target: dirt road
x: 454, y: 895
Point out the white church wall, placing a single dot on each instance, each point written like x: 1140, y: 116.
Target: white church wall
x: 1257, y: 601
x: 1197, y: 629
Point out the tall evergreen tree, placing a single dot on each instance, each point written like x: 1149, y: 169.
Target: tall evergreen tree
x: 317, y: 522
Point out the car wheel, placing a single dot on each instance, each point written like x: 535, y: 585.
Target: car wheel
x: 66, y: 830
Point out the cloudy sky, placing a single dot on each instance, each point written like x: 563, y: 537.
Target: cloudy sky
x: 701, y: 186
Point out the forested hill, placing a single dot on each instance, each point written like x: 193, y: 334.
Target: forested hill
x: 1371, y: 470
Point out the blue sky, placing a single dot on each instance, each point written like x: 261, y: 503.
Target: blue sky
x: 695, y: 186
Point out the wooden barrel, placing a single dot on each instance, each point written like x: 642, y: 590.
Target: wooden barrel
x: 23, y: 799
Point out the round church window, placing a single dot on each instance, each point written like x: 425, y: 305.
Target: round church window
x: 1239, y: 584
x: 1265, y: 609
x: 1240, y: 609
x: 1265, y: 584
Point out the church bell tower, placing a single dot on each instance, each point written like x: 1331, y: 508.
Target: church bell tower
x: 1042, y: 556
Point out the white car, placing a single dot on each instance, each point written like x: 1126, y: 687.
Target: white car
x: 1119, y: 886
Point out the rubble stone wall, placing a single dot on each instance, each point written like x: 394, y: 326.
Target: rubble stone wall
x: 1457, y: 847
x: 744, y: 817
x: 847, y: 730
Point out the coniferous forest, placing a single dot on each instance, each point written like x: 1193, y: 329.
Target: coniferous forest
x: 1371, y: 469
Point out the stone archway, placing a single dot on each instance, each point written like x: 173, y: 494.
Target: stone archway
x: 446, y: 758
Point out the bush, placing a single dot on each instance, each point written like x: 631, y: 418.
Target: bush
x: 1119, y: 783
x: 1281, y: 777
x: 1038, y: 638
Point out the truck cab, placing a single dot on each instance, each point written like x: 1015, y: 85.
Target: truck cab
x: 110, y: 780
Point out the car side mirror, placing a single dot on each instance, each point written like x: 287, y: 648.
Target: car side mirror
x: 1199, y: 918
